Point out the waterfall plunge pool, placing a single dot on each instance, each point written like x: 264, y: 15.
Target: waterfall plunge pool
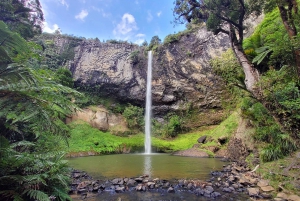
x: 163, y: 166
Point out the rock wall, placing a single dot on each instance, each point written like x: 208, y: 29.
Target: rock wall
x: 181, y: 71
x: 99, y: 117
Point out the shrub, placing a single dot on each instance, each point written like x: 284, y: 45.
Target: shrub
x: 134, y: 116
x: 31, y: 176
x: 169, y: 128
x: 276, y: 143
x: 134, y: 57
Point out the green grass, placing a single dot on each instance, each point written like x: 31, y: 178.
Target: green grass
x: 226, y: 128
x: 84, y: 138
x: 275, y: 172
x: 181, y: 142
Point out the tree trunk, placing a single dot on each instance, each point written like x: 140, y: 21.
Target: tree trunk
x: 251, y: 74
x: 286, y: 15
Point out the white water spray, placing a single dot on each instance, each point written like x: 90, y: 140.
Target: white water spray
x: 148, y: 106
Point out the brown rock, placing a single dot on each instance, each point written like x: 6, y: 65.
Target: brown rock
x: 99, y: 117
x: 293, y: 198
x: 267, y: 188
x: 253, y: 191
x: 262, y: 183
x: 279, y: 199
x: 282, y: 195
x: 202, y: 139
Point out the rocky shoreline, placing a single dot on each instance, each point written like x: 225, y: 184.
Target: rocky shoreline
x: 232, y: 181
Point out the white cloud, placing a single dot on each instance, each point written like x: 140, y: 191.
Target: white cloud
x: 140, y: 38
x: 83, y: 14
x: 158, y: 14
x: 126, y: 27
x: 48, y: 28
x: 149, y: 16
x: 100, y: 10
x: 64, y: 3
x: 140, y: 35
x: 139, y: 41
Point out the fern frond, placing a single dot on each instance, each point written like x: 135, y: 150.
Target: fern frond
x: 37, y: 195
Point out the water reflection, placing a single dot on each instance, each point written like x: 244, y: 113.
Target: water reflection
x: 155, y: 165
x: 147, y: 165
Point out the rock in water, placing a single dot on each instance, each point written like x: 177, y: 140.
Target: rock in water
x: 171, y: 190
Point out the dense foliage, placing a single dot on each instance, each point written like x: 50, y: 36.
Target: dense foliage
x: 225, y: 17
x: 33, y: 108
x: 134, y: 116
x: 275, y: 112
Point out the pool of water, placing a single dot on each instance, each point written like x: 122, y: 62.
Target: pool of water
x: 163, y: 166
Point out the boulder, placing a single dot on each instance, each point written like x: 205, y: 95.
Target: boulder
x: 227, y: 190
x: 190, y: 186
x: 82, y: 185
x: 266, y: 195
x: 131, y: 183
x: 293, y: 198
x: 120, y: 189
x: 209, y: 189
x: 202, y: 139
x: 253, y: 191
x: 282, y: 195
x: 215, y: 194
x: 262, y: 183
x: 139, y: 187
x: 171, y: 190
x: 82, y: 191
x: 115, y: 181
x: 267, y: 188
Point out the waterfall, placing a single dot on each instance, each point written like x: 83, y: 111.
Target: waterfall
x: 148, y: 106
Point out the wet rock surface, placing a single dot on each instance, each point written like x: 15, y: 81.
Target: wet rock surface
x: 234, y: 181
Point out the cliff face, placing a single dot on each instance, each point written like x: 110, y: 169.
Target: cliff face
x: 181, y: 71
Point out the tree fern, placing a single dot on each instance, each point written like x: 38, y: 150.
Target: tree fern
x: 37, y: 195
x: 10, y: 44
x: 30, y: 106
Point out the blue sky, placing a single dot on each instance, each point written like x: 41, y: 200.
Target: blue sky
x: 129, y: 20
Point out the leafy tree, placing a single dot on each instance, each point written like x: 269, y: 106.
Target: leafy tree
x: 171, y: 126
x: 270, y: 44
x: 155, y: 41
x: 229, y: 69
x: 288, y: 10
x: 224, y: 17
x: 64, y: 77
x: 23, y: 16
x: 145, y: 44
x: 31, y: 106
x: 30, y: 102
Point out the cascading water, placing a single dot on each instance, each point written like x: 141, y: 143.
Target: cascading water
x: 148, y: 106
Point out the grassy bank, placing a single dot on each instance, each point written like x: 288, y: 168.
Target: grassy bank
x: 87, y: 140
